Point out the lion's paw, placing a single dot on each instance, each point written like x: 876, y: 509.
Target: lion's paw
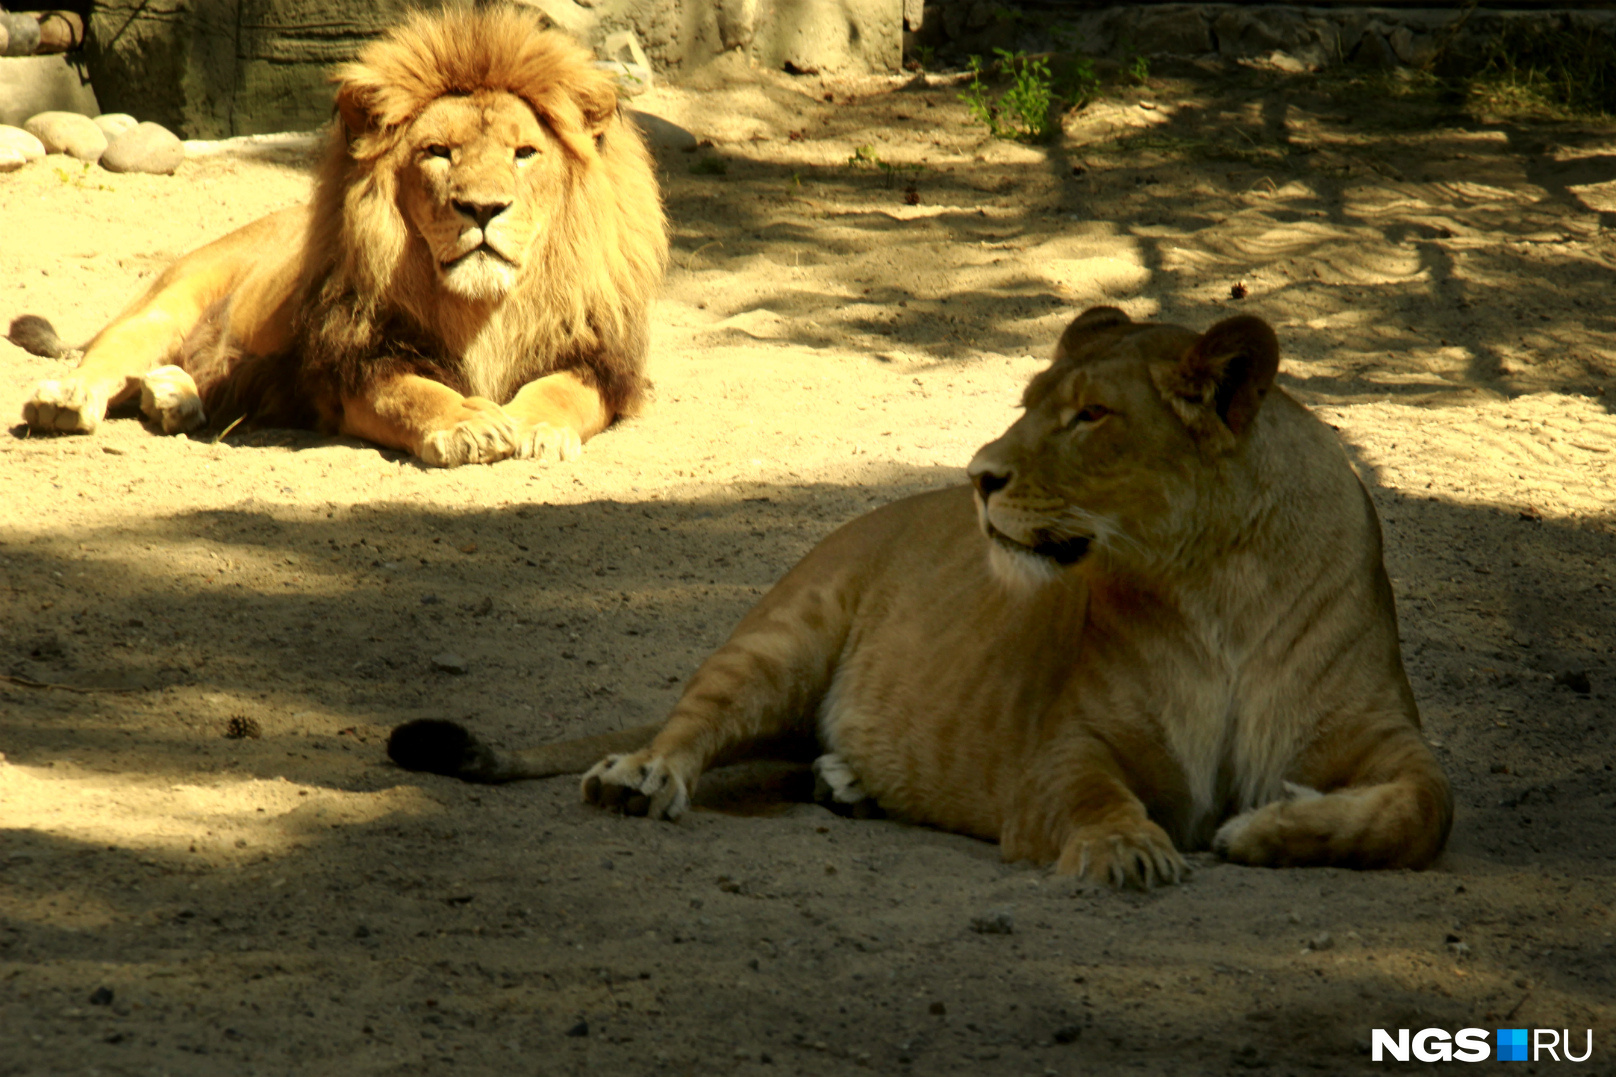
x: 637, y: 784
x: 545, y: 441
x: 1135, y: 853
x: 66, y: 406
x: 169, y: 398
x: 482, y: 433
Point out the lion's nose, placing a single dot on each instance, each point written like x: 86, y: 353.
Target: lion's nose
x: 481, y: 212
x: 987, y: 480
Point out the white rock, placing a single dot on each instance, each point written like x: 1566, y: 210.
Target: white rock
x: 19, y: 141
x: 69, y: 133
x: 11, y: 160
x: 113, y: 124
x: 146, y: 147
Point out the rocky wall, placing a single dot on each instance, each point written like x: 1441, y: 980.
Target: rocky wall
x: 214, y: 68
x: 1289, y: 36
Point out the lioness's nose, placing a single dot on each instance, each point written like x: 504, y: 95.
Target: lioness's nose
x: 986, y: 479
x: 480, y: 211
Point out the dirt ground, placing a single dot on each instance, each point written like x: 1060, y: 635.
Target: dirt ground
x: 831, y: 337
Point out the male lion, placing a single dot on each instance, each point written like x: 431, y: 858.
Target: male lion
x: 1164, y: 626
x: 470, y: 282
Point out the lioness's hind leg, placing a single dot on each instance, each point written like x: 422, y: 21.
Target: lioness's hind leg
x: 169, y: 398
x: 837, y: 787
x: 642, y: 783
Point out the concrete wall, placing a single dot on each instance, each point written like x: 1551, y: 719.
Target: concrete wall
x: 212, y: 68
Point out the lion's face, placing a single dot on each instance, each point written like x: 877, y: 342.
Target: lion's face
x: 1119, y: 440
x: 479, y: 177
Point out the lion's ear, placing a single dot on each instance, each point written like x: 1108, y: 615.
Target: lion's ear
x: 1230, y: 368
x: 597, y: 100
x: 1080, y: 335
x: 353, y: 105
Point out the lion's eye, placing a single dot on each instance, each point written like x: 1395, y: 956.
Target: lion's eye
x: 1089, y: 413
x: 438, y: 149
x: 524, y: 152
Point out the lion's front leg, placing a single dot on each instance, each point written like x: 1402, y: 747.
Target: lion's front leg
x: 557, y: 413
x: 431, y: 421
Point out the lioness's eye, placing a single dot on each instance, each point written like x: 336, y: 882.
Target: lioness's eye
x: 438, y: 149
x: 1089, y: 413
x: 524, y: 152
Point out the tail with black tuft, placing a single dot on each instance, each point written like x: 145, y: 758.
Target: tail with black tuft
x: 36, y: 336
x: 437, y: 746
x: 440, y: 747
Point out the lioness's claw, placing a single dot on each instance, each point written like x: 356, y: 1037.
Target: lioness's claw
x: 543, y: 441
x: 1136, y: 854
x: 169, y: 398
x: 483, y: 433
x: 66, y: 406
x: 637, y: 784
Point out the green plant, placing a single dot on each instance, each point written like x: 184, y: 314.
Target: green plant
x: 866, y: 157
x: 1540, y: 68
x: 1139, y: 69
x: 1028, y: 110
x: 81, y: 179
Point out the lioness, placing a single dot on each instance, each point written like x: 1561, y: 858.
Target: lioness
x: 470, y: 282
x: 1164, y: 626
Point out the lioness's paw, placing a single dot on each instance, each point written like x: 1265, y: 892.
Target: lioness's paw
x: 1138, y: 854
x: 66, y: 406
x: 542, y: 441
x: 637, y: 784
x: 1260, y: 836
x: 482, y: 433
x: 168, y: 397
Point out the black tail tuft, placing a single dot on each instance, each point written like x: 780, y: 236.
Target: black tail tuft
x: 36, y: 336
x: 442, y: 747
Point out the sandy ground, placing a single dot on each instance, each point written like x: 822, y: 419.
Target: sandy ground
x: 175, y: 901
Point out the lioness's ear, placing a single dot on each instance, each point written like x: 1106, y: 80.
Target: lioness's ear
x: 1085, y: 327
x: 1231, y: 369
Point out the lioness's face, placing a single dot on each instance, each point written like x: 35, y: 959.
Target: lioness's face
x: 482, y: 177
x: 1116, y: 440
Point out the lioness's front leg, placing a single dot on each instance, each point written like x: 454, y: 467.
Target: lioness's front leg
x: 1370, y: 795
x: 431, y: 421
x: 1077, y: 809
x: 557, y: 413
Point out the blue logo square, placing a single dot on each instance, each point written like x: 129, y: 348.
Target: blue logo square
x: 1512, y: 1045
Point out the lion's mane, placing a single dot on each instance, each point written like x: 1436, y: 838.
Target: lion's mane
x: 368, y: 300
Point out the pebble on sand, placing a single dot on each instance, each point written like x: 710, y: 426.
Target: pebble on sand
x: 21, y: 142
x: 69, y: 133
x: 146, y: 147
x: 450, y: 662
x: 994, y: 922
